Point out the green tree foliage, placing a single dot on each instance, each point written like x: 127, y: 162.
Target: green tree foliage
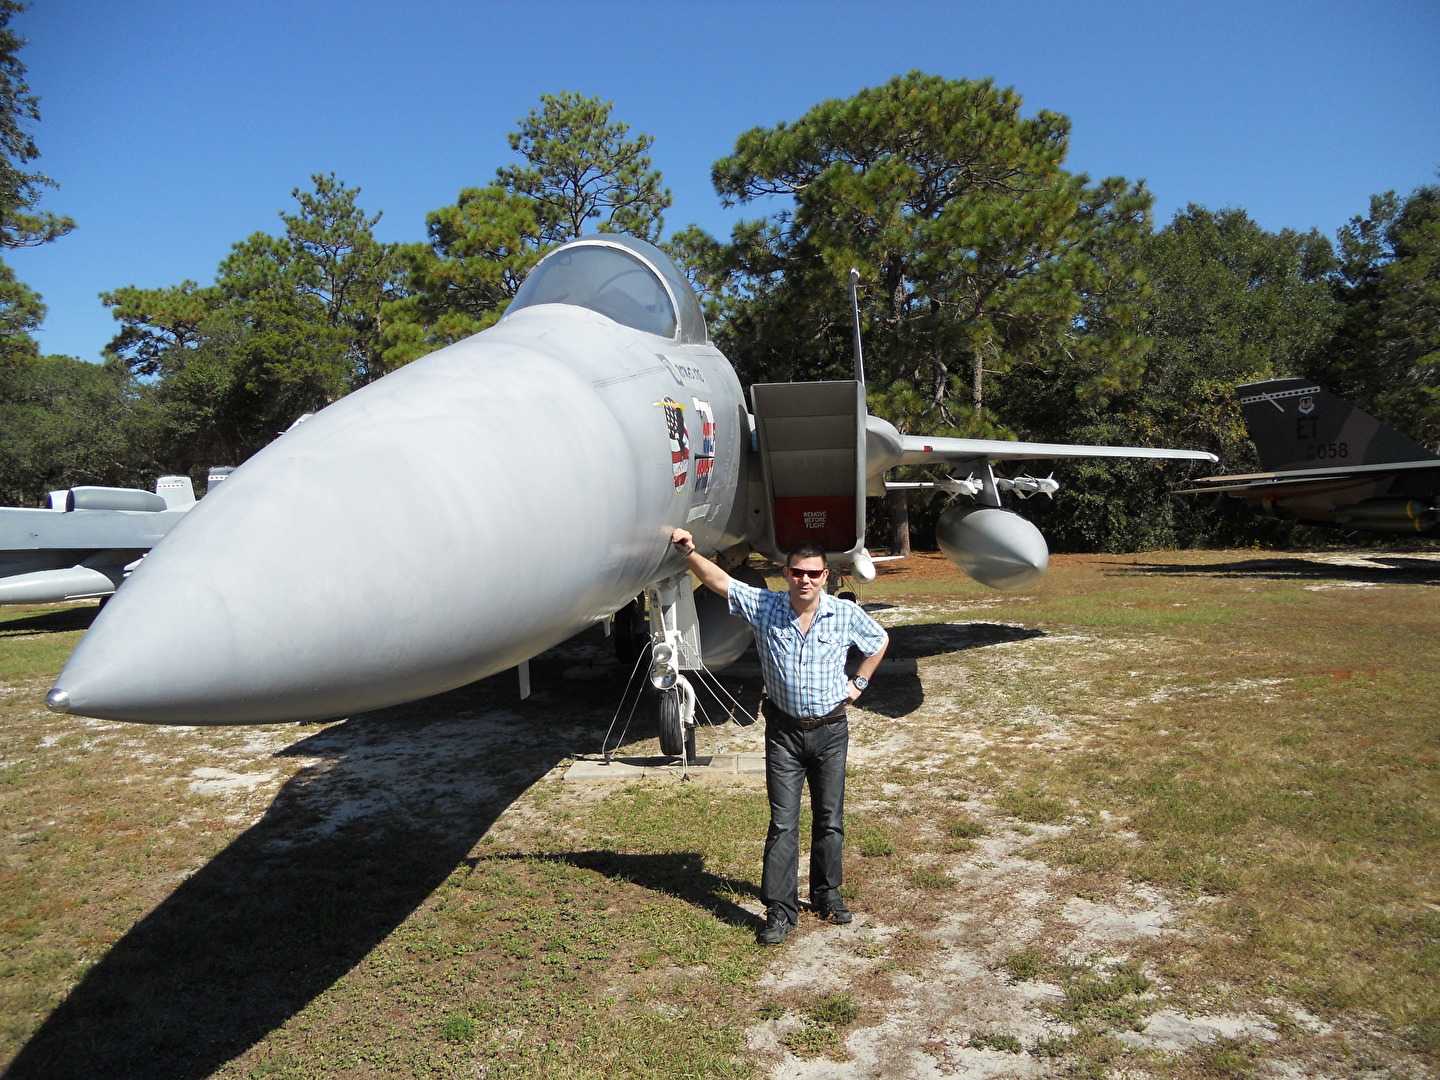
x: 64, y: 422
x: 20, y: 190
x: 21, y: 313
x: 21, y: 224
x: 1229, y: 303
x: 1386, y: 353
x: 1232, y: 303
x: 158, y: 327
x: 582, y: 166
x: 292, y: 323
x: 978, y: 251
x: 481, y: 248
x: 581, y: 171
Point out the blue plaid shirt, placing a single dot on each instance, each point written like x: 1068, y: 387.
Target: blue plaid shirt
x: 805, y: 673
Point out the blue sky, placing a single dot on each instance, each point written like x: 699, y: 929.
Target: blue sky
x: 178, y: 127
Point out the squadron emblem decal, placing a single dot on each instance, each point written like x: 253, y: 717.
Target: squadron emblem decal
x: 679, y: 441
x: 1307, y: 406
x: 705, y: 456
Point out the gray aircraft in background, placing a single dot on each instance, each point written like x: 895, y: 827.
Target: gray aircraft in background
x: 1328, y: 463
x: 86, y: 541
x: 500, y: 495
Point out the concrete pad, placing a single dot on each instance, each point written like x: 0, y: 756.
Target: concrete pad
x: 595, y: 767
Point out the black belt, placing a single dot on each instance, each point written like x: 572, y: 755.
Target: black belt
x: 773, y: 712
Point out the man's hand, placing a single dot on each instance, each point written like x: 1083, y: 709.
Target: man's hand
x: 710, y: 575
x: 867, y: 668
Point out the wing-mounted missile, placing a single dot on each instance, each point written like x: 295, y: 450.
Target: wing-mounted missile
x: 993, y: 545
x: 969, y: 486
x: 1025, y: 486
x: 1022, y: 486
x: 949, y: 485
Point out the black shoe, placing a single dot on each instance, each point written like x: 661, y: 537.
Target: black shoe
x: 832, y: 911
x: 777, y: 928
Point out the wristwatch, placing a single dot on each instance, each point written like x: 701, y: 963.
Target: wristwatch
x: 861, y: 683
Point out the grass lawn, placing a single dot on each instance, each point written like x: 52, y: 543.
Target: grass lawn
x: 1170, y: 814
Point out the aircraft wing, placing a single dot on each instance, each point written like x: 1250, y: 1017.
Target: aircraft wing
x: 1298, y: 478
x: 921, y: 450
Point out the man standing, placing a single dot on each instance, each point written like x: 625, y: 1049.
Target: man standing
x: 803, y: 637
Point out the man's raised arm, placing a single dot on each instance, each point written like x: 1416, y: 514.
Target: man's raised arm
x: 710, y: 575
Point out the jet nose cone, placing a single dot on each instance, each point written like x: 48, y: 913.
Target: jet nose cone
x: 57, y: 700
x: 376, y: 554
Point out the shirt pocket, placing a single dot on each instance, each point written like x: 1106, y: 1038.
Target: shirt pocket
x: 780, y: 640
x: 830, y: 646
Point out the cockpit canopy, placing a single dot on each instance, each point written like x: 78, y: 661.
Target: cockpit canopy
x: 622, y: 278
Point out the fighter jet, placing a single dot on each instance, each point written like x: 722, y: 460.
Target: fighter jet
x: 86, y: 541
x: 1329, y: 463
x: 499, y: 496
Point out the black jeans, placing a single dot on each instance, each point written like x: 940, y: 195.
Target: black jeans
x: 793, y: 756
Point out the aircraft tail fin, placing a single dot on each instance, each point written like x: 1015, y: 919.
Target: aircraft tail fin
x: 1296, y: 424
x: 177, y: 491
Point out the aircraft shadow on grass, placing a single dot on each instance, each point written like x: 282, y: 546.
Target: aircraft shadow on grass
x: 680, y: 874
x: 348, y: 850
x: 50, y: 622
x: 895, y: 696
x: 1388, y: 569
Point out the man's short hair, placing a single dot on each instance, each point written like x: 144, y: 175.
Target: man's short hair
x: 806, y: 549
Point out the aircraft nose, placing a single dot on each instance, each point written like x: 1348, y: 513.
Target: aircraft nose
x: 377, y: 553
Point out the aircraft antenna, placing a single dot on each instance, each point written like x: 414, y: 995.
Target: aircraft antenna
x: 855, y: 310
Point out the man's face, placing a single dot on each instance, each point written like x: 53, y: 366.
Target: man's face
x: 806, y: 577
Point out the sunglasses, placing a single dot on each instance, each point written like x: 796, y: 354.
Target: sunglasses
x: 811, y: 574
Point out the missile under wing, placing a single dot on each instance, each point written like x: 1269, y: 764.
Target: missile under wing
x: 1330, y: 463
x: 498, y: 496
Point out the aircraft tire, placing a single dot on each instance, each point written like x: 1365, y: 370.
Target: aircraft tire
x: 676, y: 737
